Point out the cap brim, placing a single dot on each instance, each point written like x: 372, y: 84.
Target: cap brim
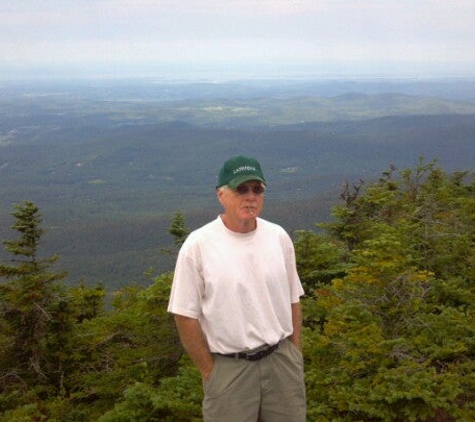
x: 234, y: 183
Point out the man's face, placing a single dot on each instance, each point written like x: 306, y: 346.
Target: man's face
x: 243, y: 203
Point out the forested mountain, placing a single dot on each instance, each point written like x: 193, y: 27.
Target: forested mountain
x: 109, y: 163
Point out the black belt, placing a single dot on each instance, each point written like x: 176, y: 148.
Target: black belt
x: 256, y: 355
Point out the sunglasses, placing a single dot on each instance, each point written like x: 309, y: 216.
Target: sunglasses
x: 243, y: 189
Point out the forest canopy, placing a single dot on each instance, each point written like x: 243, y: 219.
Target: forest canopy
x: 388, y: 317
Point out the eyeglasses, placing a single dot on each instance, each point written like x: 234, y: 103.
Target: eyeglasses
x: 256, y: 190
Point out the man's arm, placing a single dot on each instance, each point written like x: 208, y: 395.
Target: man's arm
x: 195, y: 344
x: 296, y: 336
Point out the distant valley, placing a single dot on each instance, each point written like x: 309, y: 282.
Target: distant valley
x: 109, y: 167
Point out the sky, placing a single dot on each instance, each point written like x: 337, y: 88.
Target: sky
x: 237, y: 38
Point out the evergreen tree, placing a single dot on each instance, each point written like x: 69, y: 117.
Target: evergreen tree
x: 320, y: 259
x: 178, y: 228
x: 397, y: 342
x: 33, y: 310
x: 179, y: 231
x: 134, y: 342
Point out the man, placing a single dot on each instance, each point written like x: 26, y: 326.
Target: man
x: 235, y: 297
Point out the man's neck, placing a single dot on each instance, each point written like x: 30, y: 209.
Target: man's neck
x: 241, y: 226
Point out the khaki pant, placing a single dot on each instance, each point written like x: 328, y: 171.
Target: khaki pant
x: 268, y: 390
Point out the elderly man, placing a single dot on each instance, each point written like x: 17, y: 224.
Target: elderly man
x: 235, y: 298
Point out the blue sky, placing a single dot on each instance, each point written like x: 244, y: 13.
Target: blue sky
x: 173, y: 38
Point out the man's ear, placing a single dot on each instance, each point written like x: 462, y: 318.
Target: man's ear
x: 220, y: 194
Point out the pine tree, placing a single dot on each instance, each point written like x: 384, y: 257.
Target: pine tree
x: 33, y: 310
x: 179, y: 231
x: 397, y: 343
x: 178, y: 228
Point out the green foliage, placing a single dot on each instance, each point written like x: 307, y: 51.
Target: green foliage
x: 63, y: 356
x: 34, y: 312
x: 136, y: 342
x: 319, y: 260
x: 389, y: 318
x: 178, y: 229
x: 56, y: 409
x: 397, y: 338
x: 88, y: 302
x: 28, y: 224
x: 176, y: 399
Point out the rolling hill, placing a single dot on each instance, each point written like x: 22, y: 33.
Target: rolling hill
x: 109, y: 169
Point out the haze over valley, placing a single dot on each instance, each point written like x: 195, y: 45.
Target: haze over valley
x: 109, y: 162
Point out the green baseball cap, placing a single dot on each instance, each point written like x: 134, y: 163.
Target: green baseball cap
x: 239, y: 170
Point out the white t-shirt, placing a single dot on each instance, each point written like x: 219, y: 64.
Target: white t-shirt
x: 239, y: 286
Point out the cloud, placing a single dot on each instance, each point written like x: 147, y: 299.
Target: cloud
x: 240, y: 30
